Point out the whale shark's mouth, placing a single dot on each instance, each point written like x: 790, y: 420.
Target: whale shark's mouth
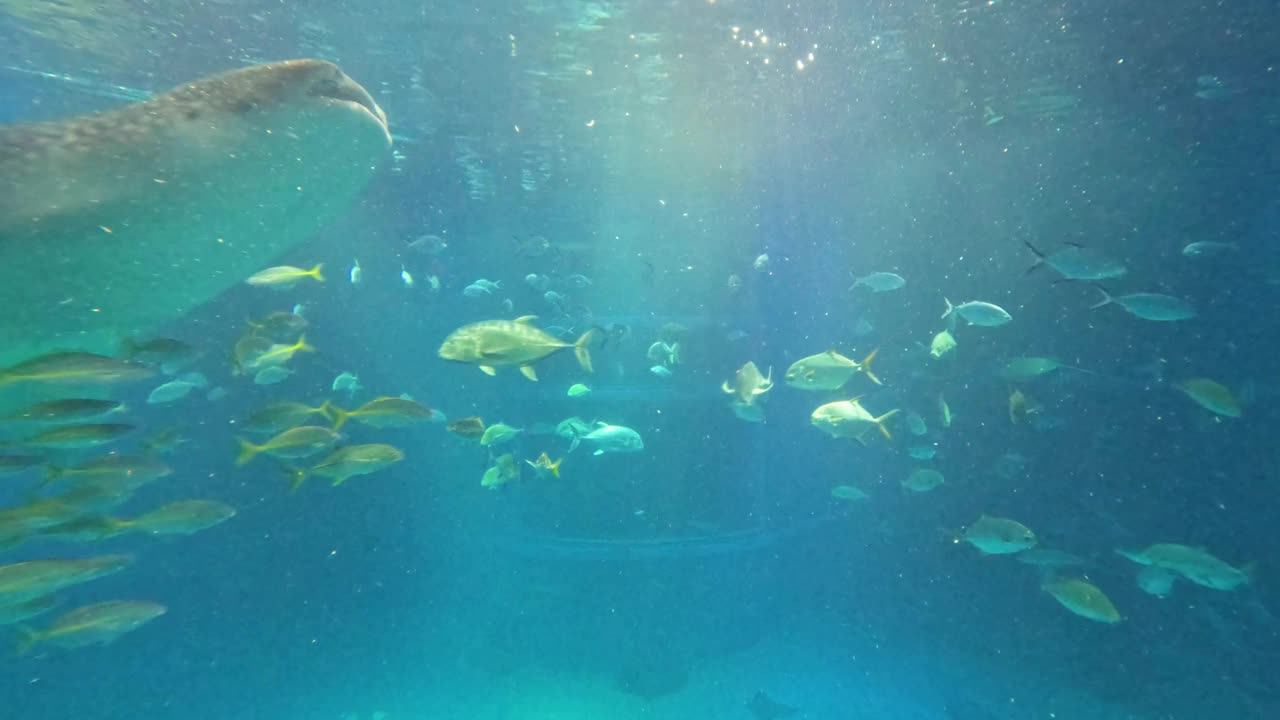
x: 351, y: 94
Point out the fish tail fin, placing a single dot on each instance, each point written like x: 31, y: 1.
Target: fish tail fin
x: 303, y: 346
x: 880, y: 424
x: 51, y: 472
x: 28, y: 638
x: 119, y: 527
x: 336, y: 414
x: 581, y: 350
x: 316, y: 273
x: 128, y: 348
x: 555, y: 467
x: 248, y: 451
x: 1039, y: 257
x: 1133, y: 555
x: 865, y: 366
x: 950, y: 308
x: 1106, y: 298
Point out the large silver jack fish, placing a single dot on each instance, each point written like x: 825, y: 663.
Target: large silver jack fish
x: 114, y: 223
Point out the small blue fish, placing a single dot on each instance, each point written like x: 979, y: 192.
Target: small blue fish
x: 879, y: 282
x: 922, y: 452
x: 272, y: 375
x: 175, y: 390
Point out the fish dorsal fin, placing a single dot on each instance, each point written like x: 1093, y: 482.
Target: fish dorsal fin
x: 525, y: 319
x: 854, y: 400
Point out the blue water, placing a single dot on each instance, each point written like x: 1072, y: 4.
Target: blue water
x: 655, y: 147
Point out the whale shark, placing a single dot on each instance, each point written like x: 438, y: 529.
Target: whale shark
x: 115, y: 223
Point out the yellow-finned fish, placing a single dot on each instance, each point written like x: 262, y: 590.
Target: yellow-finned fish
x: 97, y: 624
x: 279, y: 354
x: 283, y: 277
x: 298, y: 442
x: 76, y: 436
x: 828, y: 371
x: 35, y: 578
x: 544, y: 465
x: 74, y: 367
x: 66, y: 410
x: 135, y: 469
x: 183, y: 517
x: 491, y: 344
x: 848, y: 419
x: 282, y: 415
x: 350, y: 461
x: 382, y: 412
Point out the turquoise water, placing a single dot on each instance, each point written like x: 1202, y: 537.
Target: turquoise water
x: 661, y: 149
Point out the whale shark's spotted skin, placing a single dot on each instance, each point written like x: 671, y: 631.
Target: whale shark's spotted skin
x: 114, y: 223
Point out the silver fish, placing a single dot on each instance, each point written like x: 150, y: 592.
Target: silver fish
x: 1149, y: 306
x: 978, y: 313
x: 1075, y: 262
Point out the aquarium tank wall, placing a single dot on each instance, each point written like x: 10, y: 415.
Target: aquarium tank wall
x: 639, y: 359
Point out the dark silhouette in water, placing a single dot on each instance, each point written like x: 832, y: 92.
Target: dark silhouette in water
x: 763, y: 707
x: 651, y: 677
